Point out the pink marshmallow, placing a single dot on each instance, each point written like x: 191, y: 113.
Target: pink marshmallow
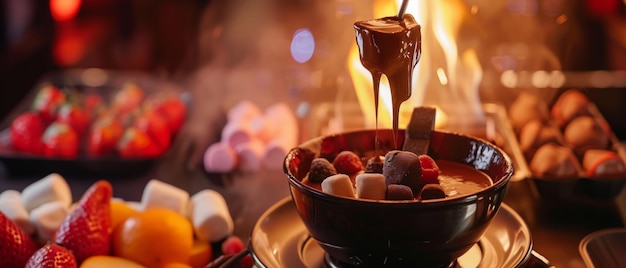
x: 250, y: 155
x: 235, y: 133
x: 243, y: 111
x: 263, y: 128
x: 220, y: 157
x: 286, y: 127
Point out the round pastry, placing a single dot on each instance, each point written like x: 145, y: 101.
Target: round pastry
x: 584, y: 133
x: 569, y: 105
x: 553, y: 160
x: 534, y: 134
x: 602, y: 163
x: 525, y: 108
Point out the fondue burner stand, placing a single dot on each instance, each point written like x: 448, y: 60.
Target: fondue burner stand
x: 482, y: 254
x: 472, y: 258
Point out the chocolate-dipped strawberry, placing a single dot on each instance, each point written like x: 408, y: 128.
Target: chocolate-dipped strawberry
x: 584, y: 133
x: 603, y: 163
x: 553, y: 160
x: 569, y: 105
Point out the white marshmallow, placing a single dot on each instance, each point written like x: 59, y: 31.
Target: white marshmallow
x: 220, y: 157
x: 339, y: 184
x: 48, y: 217
x: 249, y: 155
x: 50, y: 188
x: 371, y: 186
x: 210, y: 216
x: 11, y: 206
x: 158, y: 194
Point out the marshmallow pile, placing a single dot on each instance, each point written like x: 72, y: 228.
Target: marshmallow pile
x: 207, y: 209
x: 253, y: 139
x: 40, y: 208
x: 402, y: 175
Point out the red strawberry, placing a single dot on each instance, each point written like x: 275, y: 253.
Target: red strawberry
x: 52, y: 255
x: 127, y: 99
x: 47, y: 101
x: 156, y: 127
x: 16, y: 246
x: 347, y: 162
x: 75, y: 116
x: 430, y: 170
x: 86, y: 231
x: 135, y: 143
x: 93, y: 105
x: 174, y: 111
x: 26, y: 132
x: 60, y: 140
x: 232, y: 245
x: 105, y: 133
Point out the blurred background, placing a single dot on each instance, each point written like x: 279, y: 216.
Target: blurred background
x: 180, y: 39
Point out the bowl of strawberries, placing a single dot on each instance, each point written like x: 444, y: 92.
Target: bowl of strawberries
x: 93, y: 120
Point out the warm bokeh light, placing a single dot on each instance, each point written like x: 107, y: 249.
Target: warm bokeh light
x: 64, y: 10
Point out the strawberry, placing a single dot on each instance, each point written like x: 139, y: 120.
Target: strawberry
x: 135, y: 143
x: 16, y: 246
x: 26, y: 132
x: 127, y: 99
x: 174, y: 111
x: 47, y: 102
x: 75, y: 116
x: 232, y: 245
x: 52, y: 255
x: 156, y: 127
x: 60, y: 140
x: 105, y: 133
x: 93, y: 105
x: 430, y: 170
x: 86, y: 231
x: 347, y: 162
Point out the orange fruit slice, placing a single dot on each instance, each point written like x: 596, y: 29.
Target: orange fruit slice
x: 109, y: 261
x: 176, y: 265
x: 120, y: 211
x: 154, y: 238
x: 201, y: 254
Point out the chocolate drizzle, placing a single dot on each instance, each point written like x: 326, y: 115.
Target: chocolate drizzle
x: 391, y: 47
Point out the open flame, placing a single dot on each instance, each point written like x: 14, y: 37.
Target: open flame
x: 447, y: 76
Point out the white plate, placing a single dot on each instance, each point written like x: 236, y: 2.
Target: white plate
x: 280, y: 239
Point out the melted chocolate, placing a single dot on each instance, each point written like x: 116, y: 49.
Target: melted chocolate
x: 456, y: 179
x: 391, y: 47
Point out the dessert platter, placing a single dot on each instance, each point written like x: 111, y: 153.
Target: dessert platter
x: 92, y: 120
x: 567, y: 149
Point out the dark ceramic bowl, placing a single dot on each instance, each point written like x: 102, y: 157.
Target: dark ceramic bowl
x: 369, y: 233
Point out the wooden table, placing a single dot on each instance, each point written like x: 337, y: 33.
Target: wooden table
x: 556, y: 228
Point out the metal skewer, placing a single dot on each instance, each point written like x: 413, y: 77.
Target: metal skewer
x: 402, y: 9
